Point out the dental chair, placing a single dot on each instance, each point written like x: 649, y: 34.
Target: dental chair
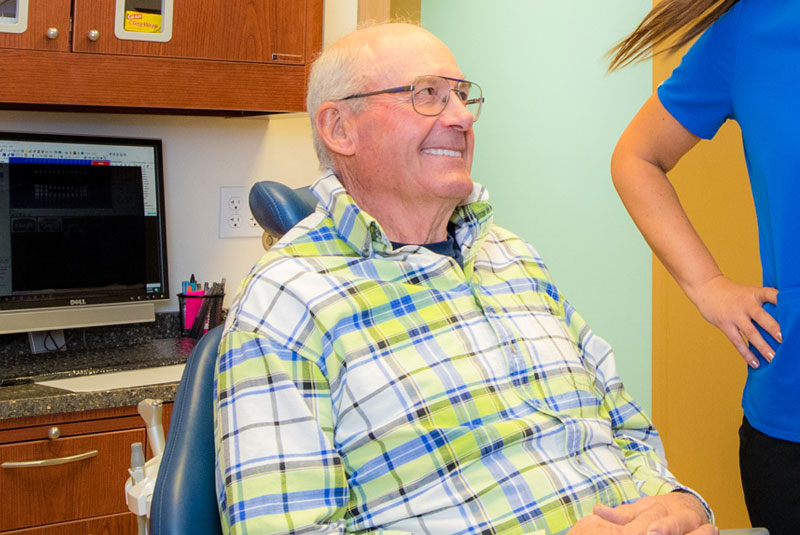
x: 184, y: 500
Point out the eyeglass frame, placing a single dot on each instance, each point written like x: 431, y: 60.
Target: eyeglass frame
x: 403, y: 88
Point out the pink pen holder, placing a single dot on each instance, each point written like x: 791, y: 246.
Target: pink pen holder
x: 196, y: 307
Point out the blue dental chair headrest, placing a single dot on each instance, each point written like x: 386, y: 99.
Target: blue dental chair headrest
x: 277, y: 207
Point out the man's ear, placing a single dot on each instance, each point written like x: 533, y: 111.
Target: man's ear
x: 333, y: 129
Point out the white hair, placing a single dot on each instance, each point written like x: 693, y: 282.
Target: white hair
x: 337, y: 73
x: 333, y: 77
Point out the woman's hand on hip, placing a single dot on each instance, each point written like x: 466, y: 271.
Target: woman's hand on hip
x: 736, y: 309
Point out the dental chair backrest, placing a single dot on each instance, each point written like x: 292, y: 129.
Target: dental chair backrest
x: 185, y: 499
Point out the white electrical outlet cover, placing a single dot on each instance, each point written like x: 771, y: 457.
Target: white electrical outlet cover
x: 235, y: 219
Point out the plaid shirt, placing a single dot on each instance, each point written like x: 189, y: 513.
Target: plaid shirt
x: 366, y: 389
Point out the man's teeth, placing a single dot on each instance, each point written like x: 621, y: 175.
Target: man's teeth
x: 443, y: 152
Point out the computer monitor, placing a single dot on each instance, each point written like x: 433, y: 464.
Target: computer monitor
x: 82, y: 231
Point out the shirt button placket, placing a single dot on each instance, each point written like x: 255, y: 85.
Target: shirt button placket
x: 515, y: 358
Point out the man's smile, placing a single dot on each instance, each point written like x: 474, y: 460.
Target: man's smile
x: 443, y: 152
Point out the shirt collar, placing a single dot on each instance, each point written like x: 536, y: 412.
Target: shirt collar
x: 472, y: 219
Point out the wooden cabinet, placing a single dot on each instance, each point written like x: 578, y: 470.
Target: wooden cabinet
x: 121, y: 524
x: 53, y: 15
x: 224, y: 57
x: 83, y: 496
x: 229, y: 30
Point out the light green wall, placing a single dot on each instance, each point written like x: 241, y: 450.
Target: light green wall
x: 551, y: 120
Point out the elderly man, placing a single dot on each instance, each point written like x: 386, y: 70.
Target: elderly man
x: 399, y: 364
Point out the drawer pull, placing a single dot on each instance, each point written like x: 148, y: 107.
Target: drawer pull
x: 287, y: 57
x: 50, y: 462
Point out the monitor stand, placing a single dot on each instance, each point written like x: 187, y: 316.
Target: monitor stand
x: 44, y: 341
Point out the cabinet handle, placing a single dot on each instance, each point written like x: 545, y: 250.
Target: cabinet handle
x: 51, y: 33
x: 93, y: 35
x: 50, y: 462
x: 287, y: 57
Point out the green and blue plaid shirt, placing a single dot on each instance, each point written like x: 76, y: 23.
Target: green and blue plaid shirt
x: 365, y: 389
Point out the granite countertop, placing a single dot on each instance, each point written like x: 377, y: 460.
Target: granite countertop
x: 25, y: 398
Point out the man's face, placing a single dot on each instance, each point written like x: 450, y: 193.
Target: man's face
x: 403, y: 155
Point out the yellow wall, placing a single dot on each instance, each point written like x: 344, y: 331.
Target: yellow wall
x: 384, y: 10
x: 406, y: 9
x: 697, y: 374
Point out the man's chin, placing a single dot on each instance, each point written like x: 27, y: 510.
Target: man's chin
x: 457, y: 185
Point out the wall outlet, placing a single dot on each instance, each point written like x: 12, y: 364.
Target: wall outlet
x: 235, y: 219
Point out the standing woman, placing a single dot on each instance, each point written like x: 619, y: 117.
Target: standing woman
x: 745, y: 66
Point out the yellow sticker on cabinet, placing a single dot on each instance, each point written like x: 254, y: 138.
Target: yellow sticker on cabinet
x: 136, y: 21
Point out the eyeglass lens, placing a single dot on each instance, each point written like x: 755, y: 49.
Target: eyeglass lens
x: 431, y: 94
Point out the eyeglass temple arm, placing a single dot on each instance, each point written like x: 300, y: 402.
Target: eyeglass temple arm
x: 381, y: 92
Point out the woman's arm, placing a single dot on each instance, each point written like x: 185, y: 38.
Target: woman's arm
x: 651, y: 145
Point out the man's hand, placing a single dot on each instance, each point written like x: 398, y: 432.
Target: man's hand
x: 735, y: 309
x: 670, y: 514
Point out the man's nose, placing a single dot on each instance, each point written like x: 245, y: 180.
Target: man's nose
x: 456, y: 112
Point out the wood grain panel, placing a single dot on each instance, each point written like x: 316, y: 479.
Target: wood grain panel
x: 69, y: 429
x: 21, y: 490
x: 77, y: 423
x: 62, y: 418
x: 285, y: 42
x: 139, y: 82
x: 229, y: 30
x: 44, y: 495
x: 43, y: 14
x: 313, y: 42
x: 119, y: 524
x: 228, y: 57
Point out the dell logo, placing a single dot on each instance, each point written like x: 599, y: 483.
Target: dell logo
x: 77, y: 301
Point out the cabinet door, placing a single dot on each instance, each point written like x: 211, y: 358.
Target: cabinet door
x: 262, y: 31
x: 48, y: 494
x: 121, y: 524
x: 42, y: 16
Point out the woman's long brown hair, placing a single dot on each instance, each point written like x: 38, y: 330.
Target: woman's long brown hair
x: 665, y: 20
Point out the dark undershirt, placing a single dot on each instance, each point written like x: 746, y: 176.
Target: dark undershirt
x: 449, y: 247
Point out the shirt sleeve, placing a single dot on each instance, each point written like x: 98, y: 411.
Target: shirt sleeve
x: 698, y: 93
x: 277, y: 469
x: 632, y: 431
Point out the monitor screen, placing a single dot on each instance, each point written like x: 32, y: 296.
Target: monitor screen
x: 81, y: 224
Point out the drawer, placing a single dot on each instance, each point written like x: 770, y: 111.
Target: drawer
x: 94, y: 486
x: 121, y: 524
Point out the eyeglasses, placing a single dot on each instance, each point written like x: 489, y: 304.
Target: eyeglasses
x: 430, y: 94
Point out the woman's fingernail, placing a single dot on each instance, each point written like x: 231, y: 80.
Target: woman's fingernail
x: 780, y: 338
x: 754, y: 364
x: 770, y: 356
